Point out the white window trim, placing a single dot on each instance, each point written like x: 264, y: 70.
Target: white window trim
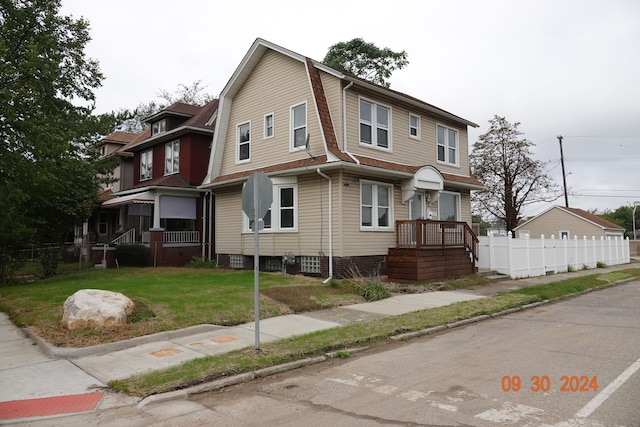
x: 273, y: 126
x: 567, y: 232
x: 171, y: 143
x: 247, y: 160
x: 159, y: 127
x: 423, y: 210
x: 418, y: 127
x: 292, y: 147
x: 446, y: 146
x: 459, y: 207
x: 278, y: 183
x: 146, y: 154
x: 524, y: 234
x: 374, y: 126
x: 374, y: 216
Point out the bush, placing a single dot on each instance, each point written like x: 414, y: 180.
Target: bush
x: 132, y: 255
x: 372, y: 291
x: 197, y: 262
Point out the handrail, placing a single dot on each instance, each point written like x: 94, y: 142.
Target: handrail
x: 430, y: 233
x: 127, y: 237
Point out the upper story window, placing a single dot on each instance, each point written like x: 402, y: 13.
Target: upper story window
x: 146, y: 164
x: 268, y: 125
x: 172, y: 157
x: 159, y: 127
x: 375, y: 205
x: 243, y: 146
x: 447, y: 141
x: 299, y: 126
x: 375, y: 125
x: 414, y: 126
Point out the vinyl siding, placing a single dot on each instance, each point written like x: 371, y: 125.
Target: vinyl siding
x: 555, y: 220
x: 276, y: 84
x: 406, y: 150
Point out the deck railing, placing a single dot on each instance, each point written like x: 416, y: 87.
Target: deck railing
x: 181, y: 237
x: 428, y: 233
x: 174, y: 237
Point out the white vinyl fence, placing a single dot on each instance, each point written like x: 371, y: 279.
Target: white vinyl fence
x: 520, y: 258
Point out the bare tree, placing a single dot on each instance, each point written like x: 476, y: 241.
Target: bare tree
x: 501, y: 160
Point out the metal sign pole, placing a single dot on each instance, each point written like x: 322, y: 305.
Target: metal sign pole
x: 256, y: 263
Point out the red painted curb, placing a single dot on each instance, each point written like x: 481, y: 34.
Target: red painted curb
x: 49, y: 406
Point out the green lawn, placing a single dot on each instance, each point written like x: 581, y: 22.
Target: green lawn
x: 166, y: 298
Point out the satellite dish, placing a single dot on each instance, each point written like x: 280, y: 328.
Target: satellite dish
x: 307, y: 148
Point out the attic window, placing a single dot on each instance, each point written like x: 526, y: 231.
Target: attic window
x: 159, y: 127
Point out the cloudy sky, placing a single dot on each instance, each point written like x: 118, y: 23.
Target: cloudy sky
x: 559, y: 67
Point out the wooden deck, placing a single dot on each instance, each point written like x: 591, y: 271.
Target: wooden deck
x: 432, y: 250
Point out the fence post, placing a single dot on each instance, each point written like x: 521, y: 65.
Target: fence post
x: 544, y: 250
x: 565, y: 240
x: 509, y: 253
x: 491, y: 252
x: 595, y: 254
x: 528, y: 251
x: 610, y: 260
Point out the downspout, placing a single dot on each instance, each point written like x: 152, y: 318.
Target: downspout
x: 212, y: 223
x: 330, y: 226
x: 204, y: 222
x: 344, y: 122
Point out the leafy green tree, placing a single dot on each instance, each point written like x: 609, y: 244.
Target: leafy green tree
x: 365, y: 60
x: 46, y: 126
x: 623, y: 216
x: 501, y: 160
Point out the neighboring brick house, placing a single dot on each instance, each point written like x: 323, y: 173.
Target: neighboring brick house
x: 159, y: 203
x: 560, y: 222
x: 354, y: 167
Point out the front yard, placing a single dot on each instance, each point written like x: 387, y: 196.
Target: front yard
x: 168, y: 298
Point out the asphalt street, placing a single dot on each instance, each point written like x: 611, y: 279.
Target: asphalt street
x: 468, y: 376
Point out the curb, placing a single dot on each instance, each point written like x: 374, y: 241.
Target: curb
x: 53, y: 352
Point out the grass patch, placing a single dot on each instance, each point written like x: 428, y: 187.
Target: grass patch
x: 349, y: 336
x: 167, y: 298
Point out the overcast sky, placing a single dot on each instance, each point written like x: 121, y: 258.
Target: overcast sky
x: 559, y: 67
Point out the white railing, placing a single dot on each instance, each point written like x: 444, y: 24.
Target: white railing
x: 520, y: 258
x: 126, y: 238
x: 181, y: 237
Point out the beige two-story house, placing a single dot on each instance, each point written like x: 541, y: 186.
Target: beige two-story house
x: 349, y: 161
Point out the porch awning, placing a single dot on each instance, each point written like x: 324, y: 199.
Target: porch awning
x: 427, y: 179
x: 144, y: 197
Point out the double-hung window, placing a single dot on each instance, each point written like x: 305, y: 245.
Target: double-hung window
x: 375, y: 128
x: 447, y: 140
x: 172, y: 157
x: 159, y: 127
x: 243, y: 138
x: 299, y: 126
x: 268, y: 126
x: 283, y: 213
x: 146, y: 164
x: 375, y: 205
x: 414, y: 126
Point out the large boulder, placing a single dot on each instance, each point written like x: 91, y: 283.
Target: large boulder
x: 96, y: 308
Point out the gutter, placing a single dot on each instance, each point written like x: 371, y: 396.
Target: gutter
x: 330, y: 225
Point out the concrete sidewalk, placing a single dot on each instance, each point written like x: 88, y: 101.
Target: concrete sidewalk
x: 40, y: 380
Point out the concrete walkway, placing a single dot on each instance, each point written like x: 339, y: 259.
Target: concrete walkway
x: 39, y: 380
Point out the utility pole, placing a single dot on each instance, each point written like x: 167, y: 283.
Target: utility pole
x: 564, y: 177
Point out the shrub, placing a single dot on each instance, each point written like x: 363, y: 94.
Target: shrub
x: 132, y: 255
x: 372, y: 291
x: 197, y: 262
x: 601, y: 265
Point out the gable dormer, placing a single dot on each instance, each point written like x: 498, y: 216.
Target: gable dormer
x: 172, y: 117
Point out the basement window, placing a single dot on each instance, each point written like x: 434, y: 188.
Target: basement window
x: 310, y: 264
x: 236, y: 261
